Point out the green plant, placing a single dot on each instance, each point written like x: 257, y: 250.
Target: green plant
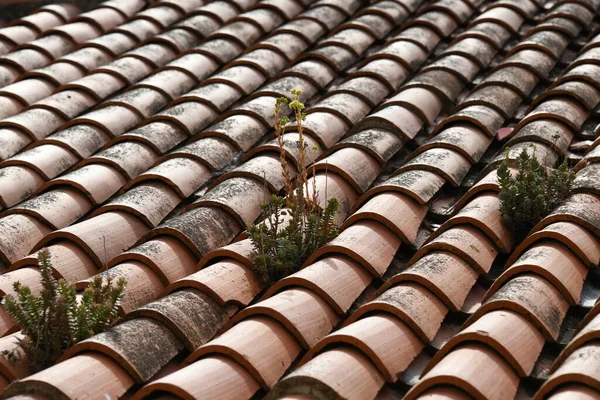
x: 281, y: 244
x: 532, y: 193
x: 56, y: 319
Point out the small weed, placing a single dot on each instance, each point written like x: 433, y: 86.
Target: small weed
x: 56, y: 319
x: 532, y: 193
x: 283, y: 245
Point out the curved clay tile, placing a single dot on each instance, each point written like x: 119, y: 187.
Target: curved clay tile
x: 346, y: 106
x: 510, y: 334
x: 397, y: 119
x: 581, y: 367
x: 499, y: 382
x: 76, y: 378
x: 477, y: 50
x: 226, y: 281
x: 368, y: 242
x: 290, y: 148
x: 420, y: 101
x: 553, y: 261
x: 550, y: 42
x: 20, y: 233
x: 264, y: 168
x: 578, y: 239
x: 261, y: 345
x: 98, y: 182
x: 338, y: 280
x: 446, y: 275
x: 447, y: 163
x: 589, y: 73
x: 390, y: 72
x: 159, y: 136
x: 369, y: 89
x: 413, y: 304
x: 491, y: 32
x: 533, y: 297
x: 212, y: 378
x: 189, y: 314
x: 329, y: 185
x: 535, y: 61
x: 69, y: 262
x: 465, y: 139
x: 483, y: 212
x: 303, y: 313
x: 378, y: 143
x: 151, y: 202
x: 573, y: 391
x: 47, y: 160
x: 242, y: 252
x: 27, y: 276
x: 201, y: 229
x: 339, y: 373
x: 549, y: 132
x: 143, y: 285
x: 545, y: 155
x: 418, y: 184
x: 585, y: 93
x: 132, y: 345
x: 446, y: 85
x: 389, y: 343
x: 502, y: 99
x: 483, y: 117
x: 576, y: 12
x: 167, y: 257
x: 465, y: 241
x: 400, y: 213
x: 28, y: 179
x: 586, y: 179
x: 580, y: 208
x: 444, y: 393
x: 102, y: 237
x: 562, y: 109
x: 518, y: 79
x: 439, y: 21
x: 18, y: 368
x: 501, y: 15
x: 35, y: 122
x: 458, y: 65
x: 241, y: 197
x: 183, y: 175
x: 357, y: 167
x: 589, y: 333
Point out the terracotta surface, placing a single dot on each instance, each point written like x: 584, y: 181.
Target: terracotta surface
x: 58, y: 382
x: 261, y: 345
x: 541, y: 303
x: 554, y: 262
x: 368, y: 242
x: 500, y: 381
x: 301, y: 311
x: 580, y: 367
x: 223, y: 379
x: 467, y: 242
x: 336, y: 279
x: 413, y: 304
x: 515, y: 339
x: 389, y: 343
x: 225, y: 281
x: 446, y: 275
x: 358, y: 380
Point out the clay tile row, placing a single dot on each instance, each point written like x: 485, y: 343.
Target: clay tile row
x: 263, y: 376
x: 63, y: 39
x: 35, y: 24
x: 511, y: 381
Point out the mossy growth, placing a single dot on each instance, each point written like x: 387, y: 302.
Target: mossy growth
x: 531, y: 193
x: 56, y: 319
x: 295, y: 227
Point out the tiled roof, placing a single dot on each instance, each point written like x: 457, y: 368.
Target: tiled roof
x: 136, y: 140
